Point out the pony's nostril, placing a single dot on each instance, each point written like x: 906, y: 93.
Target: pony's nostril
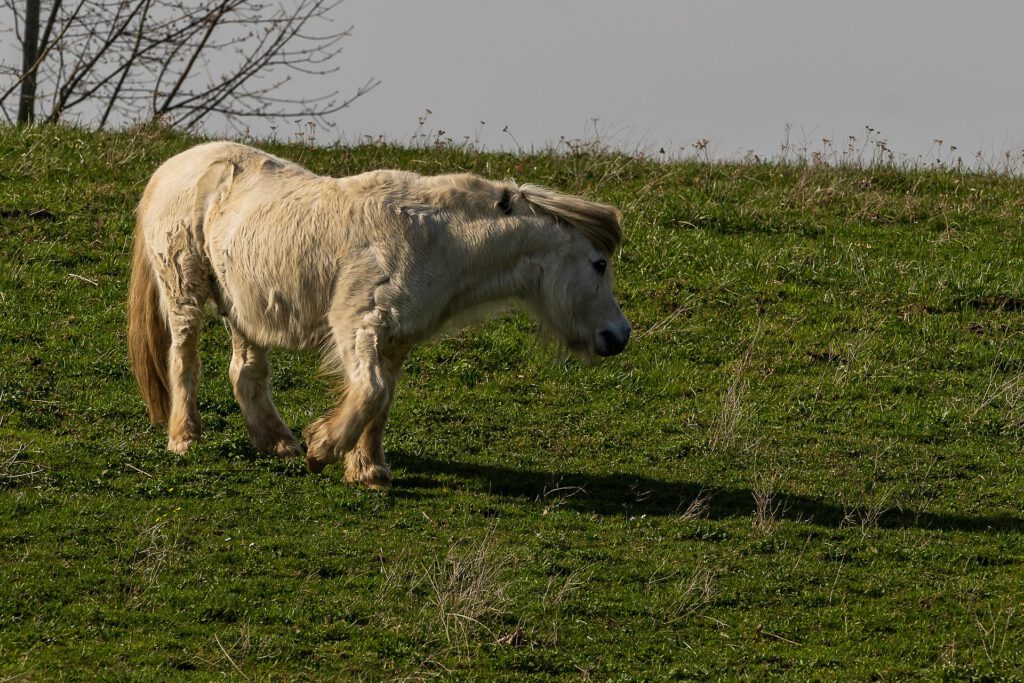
x: 611, y: 343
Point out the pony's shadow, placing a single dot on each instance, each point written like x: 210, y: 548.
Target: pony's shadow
x: 629, y: 494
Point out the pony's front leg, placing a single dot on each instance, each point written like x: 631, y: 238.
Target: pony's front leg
x: 250, y: 380
x: 366, y: 461
x: 369, y: 385
x: 337, y: 434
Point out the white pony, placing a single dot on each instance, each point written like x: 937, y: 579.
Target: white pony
x: 363, y: 267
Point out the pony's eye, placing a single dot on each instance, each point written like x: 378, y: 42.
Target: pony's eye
x: 600, y: 266
x: 506, y: 202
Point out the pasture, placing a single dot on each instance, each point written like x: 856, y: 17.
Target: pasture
x: 807, y: 463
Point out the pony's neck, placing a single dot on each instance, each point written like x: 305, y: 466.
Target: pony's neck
x: 501, y: 263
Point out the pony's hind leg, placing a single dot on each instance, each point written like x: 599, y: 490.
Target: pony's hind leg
x: 250, y: 380
x: 185, y: 287
x: 183, y: 426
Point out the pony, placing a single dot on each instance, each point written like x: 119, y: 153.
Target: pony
x: 362, y: 267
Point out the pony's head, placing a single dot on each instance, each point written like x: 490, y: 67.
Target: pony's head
x: 574, y: 301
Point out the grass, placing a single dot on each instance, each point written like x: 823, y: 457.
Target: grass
x: 806, y: 465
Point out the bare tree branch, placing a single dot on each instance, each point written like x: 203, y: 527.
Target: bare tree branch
x: 211, y: 27
x: 180, y: 61
x: 87, y: 63
x: 112, y: 100
x: 45, y: 47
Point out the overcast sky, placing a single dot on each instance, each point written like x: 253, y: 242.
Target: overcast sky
x: 669, y: 73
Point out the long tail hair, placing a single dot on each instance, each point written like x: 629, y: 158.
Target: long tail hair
x: 149, y: 338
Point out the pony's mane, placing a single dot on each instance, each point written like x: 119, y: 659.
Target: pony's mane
x: 599, y: 223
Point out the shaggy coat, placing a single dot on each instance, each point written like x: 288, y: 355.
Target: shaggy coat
x: 363, y: 267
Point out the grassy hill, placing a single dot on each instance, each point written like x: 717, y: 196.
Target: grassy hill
x: 807, y: 464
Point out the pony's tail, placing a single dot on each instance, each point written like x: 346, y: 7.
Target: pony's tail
x: 149, y: 338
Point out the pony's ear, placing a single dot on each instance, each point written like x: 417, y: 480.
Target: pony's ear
x: 505, y: 205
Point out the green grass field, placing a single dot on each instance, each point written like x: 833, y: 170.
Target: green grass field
x: 806, y: 465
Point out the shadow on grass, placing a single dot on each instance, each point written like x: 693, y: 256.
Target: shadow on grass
x: 622, y: 493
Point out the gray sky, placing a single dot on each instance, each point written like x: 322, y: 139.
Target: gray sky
x: 668, y: 73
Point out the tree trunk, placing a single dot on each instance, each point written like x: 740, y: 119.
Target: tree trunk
x: 29, y: 49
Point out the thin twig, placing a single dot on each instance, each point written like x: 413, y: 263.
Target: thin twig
x: 133, y: 467
x: 84, y: 279
x: 229, y: 657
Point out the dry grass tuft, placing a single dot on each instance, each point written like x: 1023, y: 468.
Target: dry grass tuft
x: 683, y: 595
x: 692, y: 595
x: 153, y: 550
x: 727, y: 428
x: 866, y: 514
x: 16, y: 470
x: 558, y: 495
x: 468, y: 588
x: 697, y: 508
x: 1006, y: 393
x: 872, y: 499
x: 994, y: 626
x: 768, y: 509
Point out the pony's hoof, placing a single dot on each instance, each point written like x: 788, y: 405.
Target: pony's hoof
x: 287, y: 449
x: 180, y: 445
x: 318, y: 456
x: 284, y: 447
x: 372, y: 476
x: 315, y: 465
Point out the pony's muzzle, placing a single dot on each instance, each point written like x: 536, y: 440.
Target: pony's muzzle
x: 612, y: 340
